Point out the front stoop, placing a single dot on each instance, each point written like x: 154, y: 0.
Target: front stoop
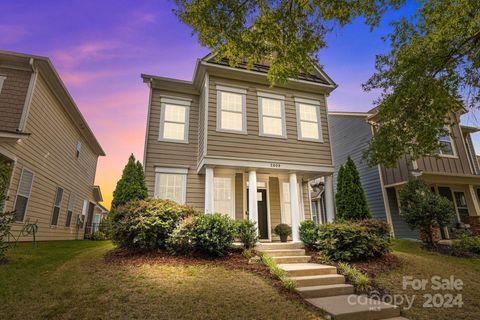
x: 323, y: 287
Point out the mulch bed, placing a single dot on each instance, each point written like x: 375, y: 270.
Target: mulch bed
x: 379, y: 265
x: 233, y: 260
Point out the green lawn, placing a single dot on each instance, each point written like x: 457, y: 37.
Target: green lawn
x: 71, y: 280
x: 421, y: 264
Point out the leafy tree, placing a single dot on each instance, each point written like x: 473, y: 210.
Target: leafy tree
x: 424, y: 210
x: 286, y: 32
x: 132, y: 184
x: 432, y: 68
x: 5, y: 217
x: 431, y: 71
x: 350, y: 198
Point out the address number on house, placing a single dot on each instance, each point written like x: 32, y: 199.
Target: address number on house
x: 275, y: 165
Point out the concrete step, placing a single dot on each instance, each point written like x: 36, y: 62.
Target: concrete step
x: 292, y: 259
x: 284, y: 252
x: 262, y: 246
x: 325, y: 291
x: 319, y: 280
x: 307, y: 269
x: 353, y: 307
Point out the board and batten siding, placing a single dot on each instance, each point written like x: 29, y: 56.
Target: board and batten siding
x: 171, y: 154
x: 350, y: 136
x: 255, y: 147
x: 50, y: 153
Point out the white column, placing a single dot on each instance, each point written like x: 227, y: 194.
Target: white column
x: 252, y: 197
x: 209, y: 190
x: 329, y: 198
x: 476, y: 204
x: 294, y: 207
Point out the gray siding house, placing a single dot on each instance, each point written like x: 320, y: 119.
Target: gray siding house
x: 453, y: 174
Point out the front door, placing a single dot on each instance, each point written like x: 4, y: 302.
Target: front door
x: 262, y: 213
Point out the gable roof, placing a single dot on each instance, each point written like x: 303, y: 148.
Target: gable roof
x: 317, y: 76
x: 46, y: 68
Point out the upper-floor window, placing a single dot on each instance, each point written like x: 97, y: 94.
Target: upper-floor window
x: 271, y: 115
x: 2, y: 80
x: 446, y: 142
x: 308, y: 120
x: 174, y: 119
x: 231, y: 109
x: 79, y: 147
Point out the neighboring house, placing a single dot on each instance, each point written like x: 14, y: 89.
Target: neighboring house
x: 453, y: 173
x: 93, y: 223
x: 50, y: 147
x: 228, y: 142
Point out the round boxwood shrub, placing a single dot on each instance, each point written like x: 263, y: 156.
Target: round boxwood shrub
x: 309, y: 233
x: 147, y: 224
x: 247, y: 233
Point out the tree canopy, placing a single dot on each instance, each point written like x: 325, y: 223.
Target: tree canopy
x: 432, y: 68
x: 131, y: 185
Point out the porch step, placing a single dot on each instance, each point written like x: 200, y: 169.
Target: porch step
x: 291, y: 259
x: 345, y: 308
x: 262, y: 246
x: 307, y: 269
x: 284, y: 252
x: 319, y: 280
x: 325, y: 291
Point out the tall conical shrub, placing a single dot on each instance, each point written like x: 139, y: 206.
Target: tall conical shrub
x: 350, y: 198
x: 132, y: 184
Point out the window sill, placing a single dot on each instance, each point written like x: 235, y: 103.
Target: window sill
x: 172, y: 140
x: 232, y: 131
x: 266, y: 135
x: 311, y: 140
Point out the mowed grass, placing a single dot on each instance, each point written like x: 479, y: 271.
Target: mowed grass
x: 71, y: 280
x: 421, y: 264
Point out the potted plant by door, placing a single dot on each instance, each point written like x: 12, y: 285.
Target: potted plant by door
x: 283, y: 231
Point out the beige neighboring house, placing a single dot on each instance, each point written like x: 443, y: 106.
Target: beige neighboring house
x: 453, y: 173
x: 228, y: 142
x: 50, y: 147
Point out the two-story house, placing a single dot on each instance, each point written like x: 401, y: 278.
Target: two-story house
x: 453, y: 173
x: 50, y: 148
x: 228, y: 142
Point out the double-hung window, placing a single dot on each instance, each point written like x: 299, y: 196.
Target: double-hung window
x: 71, y: 205
x: 56, y: 206
x: 174, y: 119
x: 271, y: 115
x: 286, y: 203
x: 223, y: 195
x: 23, y: 195
x: 171, y: 183
x: 446, y: 142
x: 308, y: 120
x: 231, y: 109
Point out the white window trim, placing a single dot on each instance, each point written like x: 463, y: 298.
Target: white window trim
x: 29, y: 194
x: 78, y: 150
x: 176, y: 171
x: 243, y: 92
x: 2, y: 80
x: 265, y: 95
x: 452, y: 142
x: 186, y: 103
x: 315, y: 104
x: 59, y: 206
x: 232, y: 181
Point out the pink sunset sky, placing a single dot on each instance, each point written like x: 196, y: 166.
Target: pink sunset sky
x: 100, y: 48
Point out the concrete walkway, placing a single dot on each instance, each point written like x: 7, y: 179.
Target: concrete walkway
x: 324, y: 288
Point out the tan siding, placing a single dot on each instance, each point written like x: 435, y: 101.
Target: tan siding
x: 239, y: 212
x: 306, y: 202
x: 167, y: 154
x: 50, y: 153
x: 275, y: 208
x: 253, y: 146
x: 12, y: 97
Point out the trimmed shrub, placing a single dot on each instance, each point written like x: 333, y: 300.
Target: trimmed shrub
x: 466, y: 244
x: 309, y: 233
x: 247, y: 233
x: 378, y: 227
x: 213, y: 233
x: 147, y: 224
x: 360, y: 281
x: 424, y: 210
x: 180, y: 241
x: 350, y: 241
